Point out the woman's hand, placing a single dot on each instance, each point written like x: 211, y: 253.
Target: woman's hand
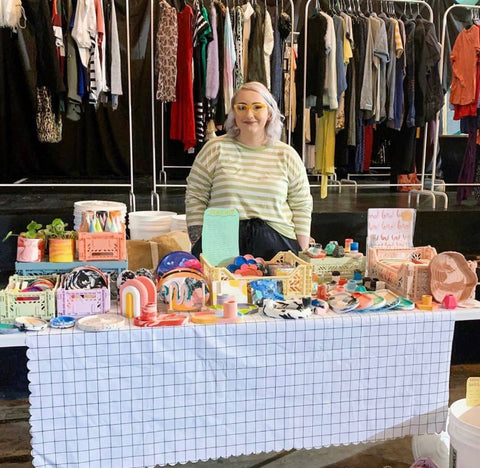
x: 304, y: 241
x: 194, y: 233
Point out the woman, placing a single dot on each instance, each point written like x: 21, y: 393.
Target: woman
x: 251, y: 170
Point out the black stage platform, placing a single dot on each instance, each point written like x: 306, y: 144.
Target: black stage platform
x: 337, y: 217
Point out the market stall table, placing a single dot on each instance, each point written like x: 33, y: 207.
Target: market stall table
x: 140, y: 397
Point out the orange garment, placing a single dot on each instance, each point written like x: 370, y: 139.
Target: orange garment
x: 469, y: 109
x: 465, y: 55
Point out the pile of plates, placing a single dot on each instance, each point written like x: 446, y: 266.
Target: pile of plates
x: 145, y: 225
x: 179, y: 223
x: 96, y: 205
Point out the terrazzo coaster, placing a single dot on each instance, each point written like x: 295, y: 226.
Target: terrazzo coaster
x: 8, y: 328
x: 30, y: 323
x: 342, y: 302
x: 62, y: 322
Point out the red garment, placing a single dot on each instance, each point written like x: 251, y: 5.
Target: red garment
x: 368, y: 147
x: 57, y: 23
x: 182, y: 125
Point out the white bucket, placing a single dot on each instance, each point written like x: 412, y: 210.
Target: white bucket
x: 149, y: 216
x: 145, y: 233
x: 179, y: 223
x: 464, y: 430
x: 144, y: 225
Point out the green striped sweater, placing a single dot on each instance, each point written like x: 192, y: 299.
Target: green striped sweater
x: 266, y: 182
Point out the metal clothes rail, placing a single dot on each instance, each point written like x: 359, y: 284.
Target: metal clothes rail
x: 421, y: 190
x: 437, y: 131
x: 130, y: 185
x: 155, y: 199
x: 348, y: 181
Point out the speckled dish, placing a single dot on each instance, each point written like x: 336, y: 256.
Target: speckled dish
x: 100, y: 322
x: 62, y: 322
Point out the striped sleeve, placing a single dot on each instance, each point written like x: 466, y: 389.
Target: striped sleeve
x: 299, y: 197
x: 199, y: 184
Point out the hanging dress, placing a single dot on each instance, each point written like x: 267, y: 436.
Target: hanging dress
x: 166, y: 53
x: 256, y: 59
x: 182, y: 125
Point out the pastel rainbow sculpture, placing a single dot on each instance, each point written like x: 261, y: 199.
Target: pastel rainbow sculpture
x: 135, y: 294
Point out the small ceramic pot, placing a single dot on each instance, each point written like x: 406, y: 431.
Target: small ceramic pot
x: 61, y: 250
x: 30, y: 250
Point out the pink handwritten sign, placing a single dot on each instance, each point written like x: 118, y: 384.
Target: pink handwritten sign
x: 390, y: 228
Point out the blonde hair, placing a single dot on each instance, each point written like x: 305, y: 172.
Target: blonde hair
x: 273, y: 127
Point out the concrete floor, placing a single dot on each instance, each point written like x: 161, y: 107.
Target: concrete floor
x: 15, y: 442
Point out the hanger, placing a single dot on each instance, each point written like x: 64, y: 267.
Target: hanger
x: 469, y: 20
x: 393, y: 13
x: 359, y: 10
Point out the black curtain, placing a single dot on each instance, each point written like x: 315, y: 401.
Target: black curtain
x: 97, y: 145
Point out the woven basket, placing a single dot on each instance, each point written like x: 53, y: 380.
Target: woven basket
x: 409, y: 279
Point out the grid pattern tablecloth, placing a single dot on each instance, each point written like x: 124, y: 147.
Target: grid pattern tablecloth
x: 140, y: 397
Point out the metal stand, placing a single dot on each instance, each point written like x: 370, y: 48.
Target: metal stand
x: 154, y: 198
x: 131, y: 193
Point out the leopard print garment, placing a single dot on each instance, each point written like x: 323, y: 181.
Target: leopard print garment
x: 49, y: 125
x: 166, y: 53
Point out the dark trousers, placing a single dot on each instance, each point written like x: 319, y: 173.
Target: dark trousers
x: 257, y: 238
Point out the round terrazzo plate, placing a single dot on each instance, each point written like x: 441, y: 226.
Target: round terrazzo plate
x: 100, y: 322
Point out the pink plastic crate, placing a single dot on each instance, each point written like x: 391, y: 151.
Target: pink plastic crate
x: 101, y: 246
x: 81, y: 302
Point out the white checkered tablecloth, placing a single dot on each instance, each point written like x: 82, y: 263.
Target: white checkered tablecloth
x: 145, y: 396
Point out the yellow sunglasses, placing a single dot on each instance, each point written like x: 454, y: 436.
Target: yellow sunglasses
x: 256, y: 108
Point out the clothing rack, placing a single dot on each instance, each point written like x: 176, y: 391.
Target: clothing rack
x: 130, y: 185
x: 154, y: 198
x: 349, y: 182
x: 436, y: 141
x: 421, y: 190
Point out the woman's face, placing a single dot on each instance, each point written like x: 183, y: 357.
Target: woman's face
x: 251, y: 113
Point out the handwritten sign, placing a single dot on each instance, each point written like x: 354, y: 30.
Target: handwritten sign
x: 390, y: 228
